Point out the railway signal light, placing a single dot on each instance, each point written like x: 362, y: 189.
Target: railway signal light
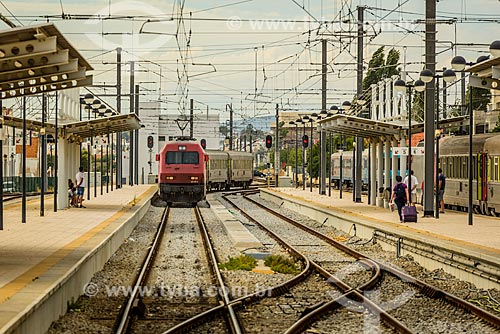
x: 150, y: 142
x: 305, y: 141
x: 203, y: 143
x: 269, y: 141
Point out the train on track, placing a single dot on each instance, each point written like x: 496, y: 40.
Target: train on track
x: 186, y: 171
x: 454, y: 161
x: 347, y: 168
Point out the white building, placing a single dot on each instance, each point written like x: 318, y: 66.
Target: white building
x: 163, y: 127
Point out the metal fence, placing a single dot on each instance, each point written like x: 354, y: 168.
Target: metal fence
x: 13, y: 184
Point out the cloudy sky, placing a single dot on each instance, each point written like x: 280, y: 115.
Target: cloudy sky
x: 253, y: 53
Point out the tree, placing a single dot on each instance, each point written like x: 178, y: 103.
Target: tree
x: 480, y: 98
x: 497, y: 127
x: 224, y: 129
x: 380, y: 68
x: 375, y: 67
x: 417, y: 108
x: 282, y: 130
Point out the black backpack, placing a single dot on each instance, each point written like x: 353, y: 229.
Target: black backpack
x: 400, y: 194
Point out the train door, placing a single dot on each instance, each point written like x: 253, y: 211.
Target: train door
x: 482, y: 181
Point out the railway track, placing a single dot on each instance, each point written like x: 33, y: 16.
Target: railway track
x: 342, y: 290
x: 133, y: 300
x: 295, y: 298
x: 173, y: 301
x: 395, y: 307
x: 228, y: 308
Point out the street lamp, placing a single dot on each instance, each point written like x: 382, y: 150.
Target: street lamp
x: 427, y: 76
x: 346, y: 106
x: 296, y: 150
x: 311, y: 120
x: 333, y: 110
x: 304, y: 119
x: 400, y: 86
x: 458, y: 63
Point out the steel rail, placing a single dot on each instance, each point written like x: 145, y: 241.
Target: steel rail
x: 223, y: 291
x: 363, y: 260
x: 270, y: 292
x: 132, y: 300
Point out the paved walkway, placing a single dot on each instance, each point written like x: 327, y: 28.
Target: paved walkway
x: 452, y: 225
x: 28, y: 250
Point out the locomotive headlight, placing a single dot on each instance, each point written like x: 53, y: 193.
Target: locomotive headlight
x: 194, y: 178
x: 169, y: 177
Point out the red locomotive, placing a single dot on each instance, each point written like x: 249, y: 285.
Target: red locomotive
x: 182, y: 172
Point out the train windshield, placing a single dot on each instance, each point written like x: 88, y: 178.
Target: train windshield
x: 182, y: 158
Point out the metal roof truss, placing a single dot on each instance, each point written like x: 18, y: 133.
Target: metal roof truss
x: 360, y: 127
x: 38, y: 59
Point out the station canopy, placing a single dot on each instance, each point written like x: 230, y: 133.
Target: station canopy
x: 78, y: 131
x: 101, y: 126
x: 368, y: 128
x: 38, y: 59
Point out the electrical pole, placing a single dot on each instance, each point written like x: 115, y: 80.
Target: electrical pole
x: 277, y: 163
x: 1, y: 165
x: 359, y: 90
x: 429, y: 107
x: 43, y: 168
x: 118, y: 109
x: 136, y: 158
x: 230, y: 126
x: 131, y: 132
x: 324, y: 68
x: 191, y: 130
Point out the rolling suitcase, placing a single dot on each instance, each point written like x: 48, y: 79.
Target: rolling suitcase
x: 409, y: 214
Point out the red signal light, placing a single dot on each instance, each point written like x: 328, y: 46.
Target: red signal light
x: 305, y: 141
x: 269, y: 141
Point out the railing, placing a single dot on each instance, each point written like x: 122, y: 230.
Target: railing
x: 13, y: 184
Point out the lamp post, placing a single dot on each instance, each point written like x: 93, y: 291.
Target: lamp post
x: 358, y: 186
x: 427, y: 76
x: 85, y: 102
x: 311, y: 120
x: 458, y: 63
x: 333, y: 109
x: 346, y: 106
x: 322, y: 154
x: 296, y: 150
x: 303, y: 119
x: 400, y: 86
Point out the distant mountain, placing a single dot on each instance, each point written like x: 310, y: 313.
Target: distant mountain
x: 259, y: 123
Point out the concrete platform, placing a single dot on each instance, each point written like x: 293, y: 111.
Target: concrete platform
x: 450, y: 233
x: 47, y: 261
x: 240, y: 236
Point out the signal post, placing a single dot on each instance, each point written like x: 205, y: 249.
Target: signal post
x: 269, y: 144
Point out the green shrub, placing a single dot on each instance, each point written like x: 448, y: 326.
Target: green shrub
x: 281, y: 264
x: 74, y: 306
x: 242, y: 262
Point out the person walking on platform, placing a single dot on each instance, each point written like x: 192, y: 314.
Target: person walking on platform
x: 80, y: 187
x: 400, y: 195
x: 440, y: 189
x: 413, y: 188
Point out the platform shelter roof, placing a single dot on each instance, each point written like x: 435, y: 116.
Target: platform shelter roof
x: 368, y: 128
x: 360, y: 127
x: 39, y: 59
x: 77, y: 131
x: 101, y: 126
